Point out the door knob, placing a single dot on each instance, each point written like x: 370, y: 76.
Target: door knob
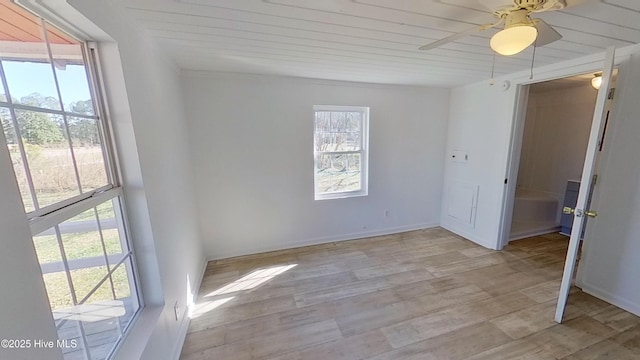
x: 567, y: 210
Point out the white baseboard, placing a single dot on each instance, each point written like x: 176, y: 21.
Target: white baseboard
x: 186, y: 320
x: 613, y: 299
x: 532, y: 233
x: 469, y: 236
x: 318, y: 241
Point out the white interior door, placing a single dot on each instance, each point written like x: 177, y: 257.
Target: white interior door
x: 580, y: 212
x: 610, y: 259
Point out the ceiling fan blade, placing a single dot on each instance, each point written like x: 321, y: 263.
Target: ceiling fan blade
x: 546, y: 33
x: 457, y: 36
x: 572, y: 3
x: 448, y: 39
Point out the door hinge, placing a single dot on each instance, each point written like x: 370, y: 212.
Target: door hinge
x: 505, y: 181
x: 612, y: 93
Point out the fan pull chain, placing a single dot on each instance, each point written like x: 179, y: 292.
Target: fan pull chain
x: 493, y: 67
x: 533, y: 58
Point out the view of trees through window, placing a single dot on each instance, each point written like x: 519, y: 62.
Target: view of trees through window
x: 339, y: 140
x: 45, y: 137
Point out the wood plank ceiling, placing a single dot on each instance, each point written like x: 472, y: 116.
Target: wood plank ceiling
x: 368, y: 40
x: 20, y: 26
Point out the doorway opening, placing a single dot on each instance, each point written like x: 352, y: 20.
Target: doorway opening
x: 548, y: 152
x: 554, y: 142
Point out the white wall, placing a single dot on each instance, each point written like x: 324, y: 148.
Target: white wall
x: 143, y: 90
x: 24, y: 307
x: 251, y: 141
x: 555, y: 138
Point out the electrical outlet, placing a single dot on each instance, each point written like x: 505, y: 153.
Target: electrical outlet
x: 176, y: 310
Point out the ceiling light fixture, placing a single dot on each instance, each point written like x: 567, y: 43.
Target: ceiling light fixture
x: 596, y: 82
x: 518, y: 34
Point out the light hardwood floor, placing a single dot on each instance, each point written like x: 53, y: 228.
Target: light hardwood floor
x: 425, y: 294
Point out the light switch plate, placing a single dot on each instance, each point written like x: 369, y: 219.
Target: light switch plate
x: 460, y: 156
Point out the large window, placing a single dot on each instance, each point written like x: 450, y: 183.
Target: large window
x: 59, y: 142
x: 341, y: 141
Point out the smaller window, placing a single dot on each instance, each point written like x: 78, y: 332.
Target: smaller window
x: 341, y: 149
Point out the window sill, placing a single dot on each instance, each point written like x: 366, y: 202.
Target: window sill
x: 135, y: 342
x: 341, y: 195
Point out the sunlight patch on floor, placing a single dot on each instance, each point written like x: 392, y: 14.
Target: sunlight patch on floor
x: 221, y: 296
x: 251, y: 280
x: 208, y: 305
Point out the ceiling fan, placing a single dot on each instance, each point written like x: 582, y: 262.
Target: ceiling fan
x: 520, y: 30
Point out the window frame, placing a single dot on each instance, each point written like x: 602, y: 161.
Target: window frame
x: 364, y: 153
x: 40, y: 220
x: 102, y: 122
x: 53, y: 215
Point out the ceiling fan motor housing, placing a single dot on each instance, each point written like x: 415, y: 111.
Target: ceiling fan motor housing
x: 528, y: 4
x: 518, y: 18
x: 501, y: 8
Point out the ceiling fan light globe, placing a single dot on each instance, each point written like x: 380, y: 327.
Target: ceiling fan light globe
x: 514, y: 39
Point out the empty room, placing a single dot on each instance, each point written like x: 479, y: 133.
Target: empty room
x: 319, y: 179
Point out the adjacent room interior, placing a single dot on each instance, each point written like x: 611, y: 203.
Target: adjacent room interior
x: 291, y: 179
x: 554, y: 144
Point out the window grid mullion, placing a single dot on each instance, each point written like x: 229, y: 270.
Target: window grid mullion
x: 73, y: 152
x: 43, y: 26
x: 64, y: 117
x: 83, y: 333
x: 340, y: 152
x: 46, y: 111
x: 104, y: 251
x: 121, y: 216
x: 96, y: 287
x: 109, y: 273
x: 361, y: 131
x: 67, y: 202
x: 92, y: 81
x: 16, y: 129
x: 106, y: 137
x: 65, y: 264
x: 106, y: 158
